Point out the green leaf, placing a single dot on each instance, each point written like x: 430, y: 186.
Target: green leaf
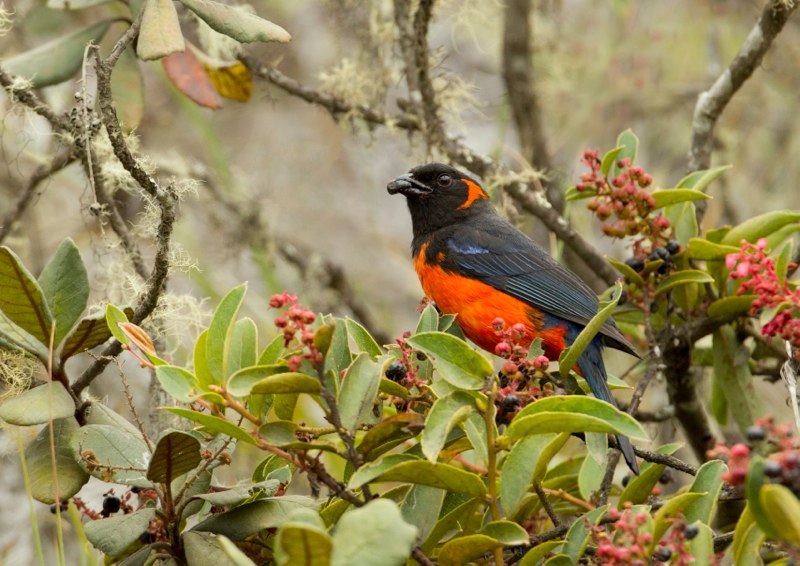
x: 683, y: 277
x: 747, y: 538
x: 374, y: 534
x: 536, y: 554
x: 733, y: 373
x: 203, y: 549
x: 57, y: 60
x: 272, y: 352
x: 115, y: 316
x: 65, y: 286
x: 706, y: 250
x: 627, y: 271
x: 699, y: 180
x: 279, y: 433
x: 640, y: 487
x: 760, y: 226
x: 13, y: 337
x: 237, y: 23
x: 569, y: 413
x: 359, y: 389
x: 338, y: 356
x: 667, y: 197
x: 665, y: 516
x: 569, y: 357
x: 630, y: 145
x: 445, y: 414
x: 457, y: 363
x: 406, y: 468
x: 391, y: 388
x: 728, y: 308
x: 218, y: 342
x: 590, y: 476
x: 362, y: 339
x: 38, y: 455
x: 251, y: 518
x: 453, y: 519
x: 160, y: 32
x: 428, y: 320
x: 421, y: 507
x: 21, y: 298
x: 573, y: 194
x: 97, y: 413
x: 507, y: 532
x: 242, y: 382
x: 708, y: 481
x: 90, y: 333
x: 115, y: 535
x: 702, y: 545
x: 176, y: 453
x: 201, y: 369
x: 213, y: 424
x: 518, y: 468
x: 389, y: 433
x: 754, y: 483
x: 303, y: 540
x: 117, y: 455
x: 178, y: 382
x: 244, y: 345
x: 38, y: 405
x: 235, y: 495
x: 610, y: 159
x: 578, y: 535
x: 683, y: 219
x: 783, y: 511
x: 463, y: 550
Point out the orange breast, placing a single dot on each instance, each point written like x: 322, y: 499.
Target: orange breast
x: 477, y: 304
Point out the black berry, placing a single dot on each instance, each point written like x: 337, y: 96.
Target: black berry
x: 755, y: 433
x: 111, y: 504
x: 626, y: 480
x: 773, y: 469
x: 635, y: 263
x: 662, y: 554
x: 673, y: 247
x: 666, y: 477
x: 654, y: 307
x: 509, y: 402
x: 690, y: 532
x: 396, y: 371
x: 136, y: 489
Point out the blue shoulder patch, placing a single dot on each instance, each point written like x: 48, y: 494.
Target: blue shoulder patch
x: 469, y: 249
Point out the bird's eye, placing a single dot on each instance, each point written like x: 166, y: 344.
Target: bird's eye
x: 444, y: 180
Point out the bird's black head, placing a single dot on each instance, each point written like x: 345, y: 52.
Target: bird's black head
x: 438, y: 196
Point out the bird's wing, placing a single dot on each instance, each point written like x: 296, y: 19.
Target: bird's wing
x: 501, y: 256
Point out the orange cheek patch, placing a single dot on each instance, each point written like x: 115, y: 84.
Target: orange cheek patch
x: 475, y: 192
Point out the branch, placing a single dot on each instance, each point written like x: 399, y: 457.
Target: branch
x: 434, y: 128
x: 457, y: 152
x: 27, y: 97
x: 45, y: 171
x: 711, y: 103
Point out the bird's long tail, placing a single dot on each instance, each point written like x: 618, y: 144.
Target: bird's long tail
x: 594, y: 371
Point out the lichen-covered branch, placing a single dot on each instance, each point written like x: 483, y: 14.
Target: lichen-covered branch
x: 711, y: 103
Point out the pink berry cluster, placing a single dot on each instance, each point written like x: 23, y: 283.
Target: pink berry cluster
x: 626, y: 540
x: 759, y: 277
x: 738, y: 459
x: 625, y: 199
x: 296, y: 323
x: 518, y: 384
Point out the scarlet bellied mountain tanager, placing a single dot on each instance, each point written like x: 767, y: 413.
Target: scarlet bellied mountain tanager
x: 474, y: 264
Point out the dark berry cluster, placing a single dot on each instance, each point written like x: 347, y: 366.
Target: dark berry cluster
x: 296, y: 323
x: 758, y: 275
x: 626, y: 540
x: 405, y: 369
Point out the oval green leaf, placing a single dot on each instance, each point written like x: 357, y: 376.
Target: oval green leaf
x: 38, y: 405
x: 236, y: 22
x: 456, y: 362
x: 359, y: 390
x: 374, y: 534
x: 683, y: 277
x: 38, y: 457
x: 667, y: 197
x: 760, y: 226
x: 445, y: 414
x: 176, y: 453
x: 160, y: 32
x: 65, y: 286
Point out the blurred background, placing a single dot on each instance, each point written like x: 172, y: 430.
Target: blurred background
x: 288, y: 198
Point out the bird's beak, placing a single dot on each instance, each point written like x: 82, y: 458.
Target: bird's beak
x: 407, y: 185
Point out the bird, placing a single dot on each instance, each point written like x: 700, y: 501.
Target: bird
x: 473, y: 263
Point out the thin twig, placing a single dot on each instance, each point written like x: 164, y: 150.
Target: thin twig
x: 43, y: 172
x: 434, y: 128
x: 29, y: 98
x: 711, y: 103
x: 548, y: 507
